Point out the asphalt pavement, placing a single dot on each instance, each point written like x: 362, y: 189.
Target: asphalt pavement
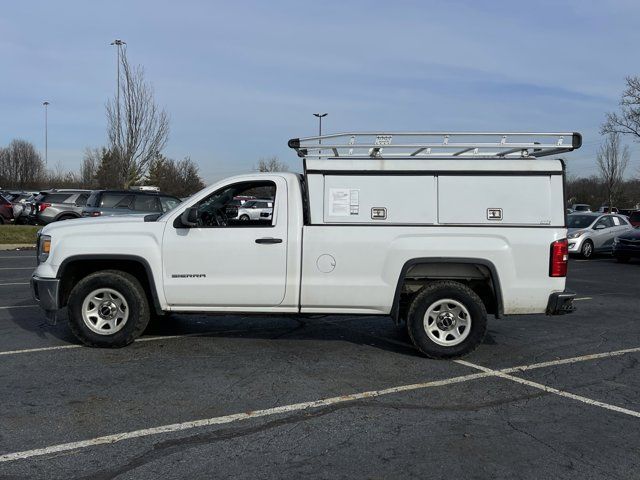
x: 325, y: 397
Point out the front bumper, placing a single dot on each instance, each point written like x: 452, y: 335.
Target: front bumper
x: 561, y: 303
x: 45, y: 291
x: 575, y: 244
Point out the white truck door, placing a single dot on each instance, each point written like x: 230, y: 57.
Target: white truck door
x: 225, y: 261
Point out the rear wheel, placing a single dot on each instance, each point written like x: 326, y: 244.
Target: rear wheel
x: 446, y: 319
x: 108, y: 309
x: 244, y: 217
x: 587, y: 249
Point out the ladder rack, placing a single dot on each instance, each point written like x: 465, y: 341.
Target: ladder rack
x: 435, y: 145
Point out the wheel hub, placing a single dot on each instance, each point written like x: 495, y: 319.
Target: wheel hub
x: 107, y: 310
x: 446, y: 321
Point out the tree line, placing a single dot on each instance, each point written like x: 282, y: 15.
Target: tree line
x: 22, y: 168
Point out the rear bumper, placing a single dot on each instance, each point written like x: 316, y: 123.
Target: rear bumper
x: 45, y: 292
x: 561, y: 303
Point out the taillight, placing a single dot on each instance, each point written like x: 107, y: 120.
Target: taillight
x: 43, y: 206
x: 95, y: 214
x: 559, y: 258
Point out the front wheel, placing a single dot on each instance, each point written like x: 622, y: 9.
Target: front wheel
x: 446, y: 319
x: 108, y: 309
x: 587, y: 249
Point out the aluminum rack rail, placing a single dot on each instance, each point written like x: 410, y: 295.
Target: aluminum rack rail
x: 435, y: 145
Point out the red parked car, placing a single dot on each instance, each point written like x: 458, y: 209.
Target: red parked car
x: 634, y: 218
x: 6, y: 210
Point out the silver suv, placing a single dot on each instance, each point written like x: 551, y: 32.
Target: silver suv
x: 256, y: 210
x: 591, y: 233
x: 57, y: 205
x: 127, y: 202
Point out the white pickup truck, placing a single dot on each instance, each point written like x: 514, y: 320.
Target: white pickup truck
x: 435, y: 230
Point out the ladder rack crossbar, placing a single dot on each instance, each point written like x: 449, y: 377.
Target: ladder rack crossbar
x: 436, y: 144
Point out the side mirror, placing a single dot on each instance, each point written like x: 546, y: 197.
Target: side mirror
x: 599, y: 227
x: 189, y: 217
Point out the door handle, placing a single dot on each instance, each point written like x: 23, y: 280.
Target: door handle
x: 268, y: 240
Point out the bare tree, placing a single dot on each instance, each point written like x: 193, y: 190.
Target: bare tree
x: 627, y: 121
x: 89, y: 166
x: 138, y: 129
x: 271, y: 164
x: 612, y: 160
x: 21, y: 165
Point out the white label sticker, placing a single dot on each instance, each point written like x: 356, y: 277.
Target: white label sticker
x: 354, y: 198
x: 339, y: 202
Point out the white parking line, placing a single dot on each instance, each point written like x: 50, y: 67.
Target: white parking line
x: 582, y: 298
x: 176, y: 427
x: 17, y: 306
x: 566, y: 361
x: 548, y: 389
x: 18, y: 268
x: 7, y: 284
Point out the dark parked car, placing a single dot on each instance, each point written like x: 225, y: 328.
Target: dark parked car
x: 58, y: 205
x: 627, y: 245
x: 126, y: 202
x: 6, y: 210
x: 634, y: 218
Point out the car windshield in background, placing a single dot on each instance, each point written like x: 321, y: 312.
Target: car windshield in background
x: 579, y: 221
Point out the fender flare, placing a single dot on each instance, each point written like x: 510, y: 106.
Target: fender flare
x: 495, y: 279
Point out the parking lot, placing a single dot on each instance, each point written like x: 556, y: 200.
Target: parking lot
x: 543, y: 397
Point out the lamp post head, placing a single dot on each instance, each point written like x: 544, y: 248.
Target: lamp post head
x: 118, y: 42
x: 320, y: 115
x: 45, y: 103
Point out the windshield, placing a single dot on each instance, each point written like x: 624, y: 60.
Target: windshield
x: 582, y: 208
x: 580, y: 221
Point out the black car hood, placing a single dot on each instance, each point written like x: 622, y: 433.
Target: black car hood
x: 632, y: 235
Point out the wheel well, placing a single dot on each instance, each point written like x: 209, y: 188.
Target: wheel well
x: 479, y: 275
x: 73, y: 271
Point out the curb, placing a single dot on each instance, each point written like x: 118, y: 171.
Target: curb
x: 18, y: 246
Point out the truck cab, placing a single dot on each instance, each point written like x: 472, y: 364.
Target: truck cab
x: 341, y: 238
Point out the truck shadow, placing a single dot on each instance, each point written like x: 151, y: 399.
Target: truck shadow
x: 377, y: 332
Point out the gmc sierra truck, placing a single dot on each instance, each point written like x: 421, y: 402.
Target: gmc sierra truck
x: 435, y: 230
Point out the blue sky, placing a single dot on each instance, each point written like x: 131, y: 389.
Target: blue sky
x: 240, y: 78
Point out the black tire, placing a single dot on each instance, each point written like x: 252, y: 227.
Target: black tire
x: 586, y: 251
x: 1, y: 221
x: 622, y: 259
x: 244, y: 217
x: 446, y: 290
x: 128, y: 287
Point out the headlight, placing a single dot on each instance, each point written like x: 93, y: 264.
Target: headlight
x: 44, y: 247
x: 575, y: 234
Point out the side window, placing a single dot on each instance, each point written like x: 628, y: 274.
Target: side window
x: 81, y: 201
x: 605, y: 221
x: 169, y: 203
x: 616, y: 221
x: 55, y: 197
x: 116, y: 200
x: 220, y: 209
x: 146, y: 203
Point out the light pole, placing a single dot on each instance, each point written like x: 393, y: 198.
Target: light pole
x: 46, y: 134
x: 320, y: 116
x: 118, y: 43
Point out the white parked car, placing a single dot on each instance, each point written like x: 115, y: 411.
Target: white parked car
x: 484, y: 234
x: 591, y: 233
